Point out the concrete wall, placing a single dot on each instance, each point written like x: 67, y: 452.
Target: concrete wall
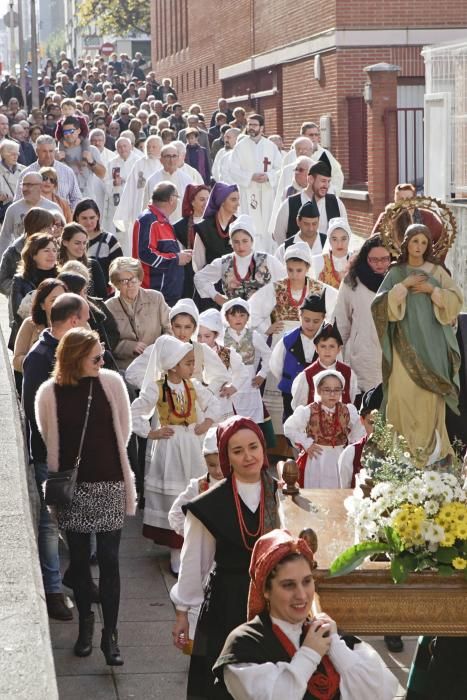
x: 26, y: 664
x: 456, y: 259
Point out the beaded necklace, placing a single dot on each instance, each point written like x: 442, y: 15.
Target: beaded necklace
x: 291, y: 299
x: 244, y: 531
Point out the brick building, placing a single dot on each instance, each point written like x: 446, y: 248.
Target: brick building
x: 305, y: 61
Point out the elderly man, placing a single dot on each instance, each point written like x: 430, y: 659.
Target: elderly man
x: 118, y: 170
x: 4, y: 128
x: 222, y: 106
x: 31, y: 197
x: 220, y: 168
x: 10, y: 172
x: 68, y: 187
x: 185, y: 167
x: 27, y: 154
x: 97, y: 138
x: 170, y: 172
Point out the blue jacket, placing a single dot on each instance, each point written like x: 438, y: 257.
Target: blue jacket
x: 294, y: 360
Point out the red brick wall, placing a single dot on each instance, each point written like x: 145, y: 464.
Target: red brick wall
x: 360, y: 14
x: 282, y: 22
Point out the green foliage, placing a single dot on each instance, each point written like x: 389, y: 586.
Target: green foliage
x: 55, y: 44
x: 117, y: 18
x: 354, y: 556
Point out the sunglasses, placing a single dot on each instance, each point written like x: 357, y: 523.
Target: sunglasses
x: 47, y: 178
x: 68, y: 131
x: 98, y: 358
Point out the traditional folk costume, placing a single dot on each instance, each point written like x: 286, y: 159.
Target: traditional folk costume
x: 277, y: 302
x: 231, y: 359
x: 184, y: 230
x: 327, y: 267
x: 265, y: 658
x: 239, y: 276
x: 253, y: 349
x: 177, y: 459
x: 221, y: 528
x: 293, y: 352
x: 303, y: 388
x: 250, y: 157
x: 420, y: 356
x: 211, y: 240
x: 331, y: 428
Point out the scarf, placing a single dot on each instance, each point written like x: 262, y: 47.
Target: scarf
x: 371, y: 280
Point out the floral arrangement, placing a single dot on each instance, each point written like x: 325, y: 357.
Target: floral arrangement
x: 417, y: 518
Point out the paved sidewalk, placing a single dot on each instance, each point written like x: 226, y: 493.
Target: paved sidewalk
x: 153, y: 669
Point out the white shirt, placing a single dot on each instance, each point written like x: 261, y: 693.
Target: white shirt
x: 300, y: 387
x: 316, y: 249
x: 282, y: 221
x: 276, y: 364
x: 179, y: 178
x: 206, y: 278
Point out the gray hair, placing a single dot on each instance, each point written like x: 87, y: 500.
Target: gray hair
x: 128, y: 135
x: 8, y: 146
x: 96, y: 132
x: 121, y: 139
x: 163, y: 191
x: 45, y: 140
x: 180, y: 146
x: 124, y: 264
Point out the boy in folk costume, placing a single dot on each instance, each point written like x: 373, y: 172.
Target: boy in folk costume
x: 322, y: 430
x: 328, y: 343
x: 184, y: 410
x: 253, y: 349
x: 296, y: 350
x: 211, y: 333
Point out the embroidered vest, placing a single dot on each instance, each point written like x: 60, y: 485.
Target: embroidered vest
x: 224, y: 355
x: 244, y: 347
x: 260, y: 275
x: 323, y: 432
x: 166, y: 415
x: 294, y: 360
x: 316, y: 367
x: 328, y: 274
x: 284, y: 309
x: 357, y: 458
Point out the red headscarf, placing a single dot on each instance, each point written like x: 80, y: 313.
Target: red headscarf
x: 187, y: 209
x: 268, y: 551
x: 229, y: 427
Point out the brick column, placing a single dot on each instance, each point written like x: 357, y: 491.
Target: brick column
x: 381, y: 96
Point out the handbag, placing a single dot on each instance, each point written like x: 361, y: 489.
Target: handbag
x: 59, y: 487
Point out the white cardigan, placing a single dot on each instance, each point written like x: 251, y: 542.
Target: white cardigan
x: 115, y: 391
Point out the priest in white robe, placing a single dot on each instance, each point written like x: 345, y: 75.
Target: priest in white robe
x: 293, y: 179
x: 255, y: 167
x: 131, y: 202
x: 170, y: 172
x: 221, y: 165
x: 118, y: 171
x: 337, y: 176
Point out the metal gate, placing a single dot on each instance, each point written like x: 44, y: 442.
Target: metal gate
x: 406, y: 125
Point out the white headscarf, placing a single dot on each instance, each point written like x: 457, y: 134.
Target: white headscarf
x: 169, y: 351
x: 243, y: 223
x: 234, y: 302
x: 212, y: 319
x: 299, y: 250
x: 318, y: 378
x: 185, y: 306
x: 210, y: 442
x: 339, y: 222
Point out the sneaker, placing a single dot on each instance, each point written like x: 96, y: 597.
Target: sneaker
x: 56, y: 607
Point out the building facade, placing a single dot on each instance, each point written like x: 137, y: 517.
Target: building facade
x: 301, y: 62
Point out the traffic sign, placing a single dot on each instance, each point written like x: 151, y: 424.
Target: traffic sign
x: 7, y: 19
x: 107, y: 48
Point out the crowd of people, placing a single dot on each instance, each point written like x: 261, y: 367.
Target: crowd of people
x: 186, y: 297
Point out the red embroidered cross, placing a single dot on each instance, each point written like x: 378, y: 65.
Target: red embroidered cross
x: 266, y: 162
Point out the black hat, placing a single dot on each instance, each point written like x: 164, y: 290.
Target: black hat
x: 308, y: 210
x: 328, y: 330
x: 372, y: 399
x: 322, y: 167
x: 315, y: 302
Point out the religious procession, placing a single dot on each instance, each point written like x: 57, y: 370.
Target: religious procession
x: 253, y: 346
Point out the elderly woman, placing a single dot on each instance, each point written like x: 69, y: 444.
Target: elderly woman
x: 283, y: 652
x: 49, y: 191
x: 141, y: 314
x: 221, y: 528
x: 84, y: 410
x: 10, y: 174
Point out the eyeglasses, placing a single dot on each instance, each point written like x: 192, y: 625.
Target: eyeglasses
x: 98, y: 358
x: 384, y: 259
x: 47, y: 178
x: 169, y: 156
x: 127, y: 281
x: 331, y: 391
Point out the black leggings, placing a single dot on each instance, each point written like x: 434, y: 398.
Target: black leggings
x: 108, y: 544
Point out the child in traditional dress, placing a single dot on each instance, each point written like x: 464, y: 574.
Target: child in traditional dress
x: 296, y: 350
x: 211, y: 332
x: 253, y: 349
x: 328, y: 343
x: 321, y: 430
x: 184, y: 410
x: 331, y: 267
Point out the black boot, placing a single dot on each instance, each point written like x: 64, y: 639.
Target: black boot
x: 67, y: 581
x: 109, y: 646
x: 83, y: 646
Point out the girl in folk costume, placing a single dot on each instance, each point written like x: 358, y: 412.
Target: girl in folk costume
x: 328, y: 343
x: 242, y: 272
x: 253, y: 349
x: 211, y: 332
x: 275, y: 309
x: 193, y: 206
x: 282, y: 652
x: 184, y: 410
x: 212, y: 232
x: 332, y: 266
x: 296, y: 350
x: 322, y: 430
x: 221, y: 528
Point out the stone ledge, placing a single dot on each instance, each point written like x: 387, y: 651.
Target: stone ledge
x: 26, y: 663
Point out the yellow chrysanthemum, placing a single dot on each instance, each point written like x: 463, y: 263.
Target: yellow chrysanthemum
x: 459, y: 563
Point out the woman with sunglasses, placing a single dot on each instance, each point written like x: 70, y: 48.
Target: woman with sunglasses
x: 104, y: 489
x: 49, y: 191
